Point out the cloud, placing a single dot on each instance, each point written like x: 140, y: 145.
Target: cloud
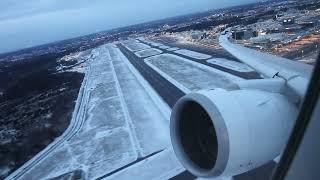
x: 34, y: 22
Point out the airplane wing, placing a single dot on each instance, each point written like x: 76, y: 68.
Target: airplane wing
x: 264, y: 63
x: 296, y: 74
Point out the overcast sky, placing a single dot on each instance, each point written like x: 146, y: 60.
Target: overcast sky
x: 27, y: 23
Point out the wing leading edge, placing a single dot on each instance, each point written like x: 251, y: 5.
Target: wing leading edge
x: 295, y: 74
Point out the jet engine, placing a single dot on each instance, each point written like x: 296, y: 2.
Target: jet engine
x: 225, y: 133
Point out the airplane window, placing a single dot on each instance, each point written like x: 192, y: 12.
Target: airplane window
x: 154, y: 89
x: 300, y: 159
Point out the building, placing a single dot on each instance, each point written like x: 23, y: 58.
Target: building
x: 242, y: 34
x: 288, y: 21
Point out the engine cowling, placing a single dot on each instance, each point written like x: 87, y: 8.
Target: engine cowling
x: 225, y: 133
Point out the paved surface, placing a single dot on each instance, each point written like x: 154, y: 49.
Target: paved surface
x: 164, y: 88
x: 190, y: 76
x: 169, y: 92
x: 262, y: 173
x: 215, y: 53
x: 119, y: 128
x: 116, y: 125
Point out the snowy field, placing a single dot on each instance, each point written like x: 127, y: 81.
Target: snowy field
x: 173, y: 49
x: 130, y: 41
x: 189, y: 74
x: 121, y: 123
x: 148, y: 42
x: 152, y: 43
x: 148, y: 52
x: 164, y: 47
x: 236, y: 66
x: 156, y: 44
x: 135, y: 46
x: 192, y: 54
x: 153, y: 167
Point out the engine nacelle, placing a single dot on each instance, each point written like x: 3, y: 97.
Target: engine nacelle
x: 225, y: 133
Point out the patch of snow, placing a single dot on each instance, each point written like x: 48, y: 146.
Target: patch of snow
x: 161, y: 104
x: 106, y: 133
x: 55, y: 164
x: 62, y: 89
x: 268, y: 37
x: 213, y: 70
x: 168, y: 77
x: 136, y: 46
x: 233, y: 65
x: 48, y: 115
x: 129, y: 123
x: 192, y: 54
x: 150, y: 126
x: 173, y: 49
x: 189, y: 74
x: 47, y: 125
x: 80, y: 57
x: 156, y: 44
x: 148, y: 52
x: 164, y: 47
x: 160, y: 166
x: 71, y: 56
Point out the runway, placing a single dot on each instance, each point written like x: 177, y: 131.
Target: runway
x: 163, y: 87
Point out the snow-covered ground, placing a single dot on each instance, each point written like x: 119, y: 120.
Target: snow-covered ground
x: 120, y: 124
x: 192, y: 54
x: 122, y: 119
x: 130, y: 40
x: 156, y: 44
x: 135, y: 46
x: 164, y: 47
x: 188, y: 74
x: 79, y: 66
x: 148, y: 52
x: 153, y: 167
x: 152, y: 43
x: 236, y: 66
x: 147, y: 41
x: 173, y: 49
